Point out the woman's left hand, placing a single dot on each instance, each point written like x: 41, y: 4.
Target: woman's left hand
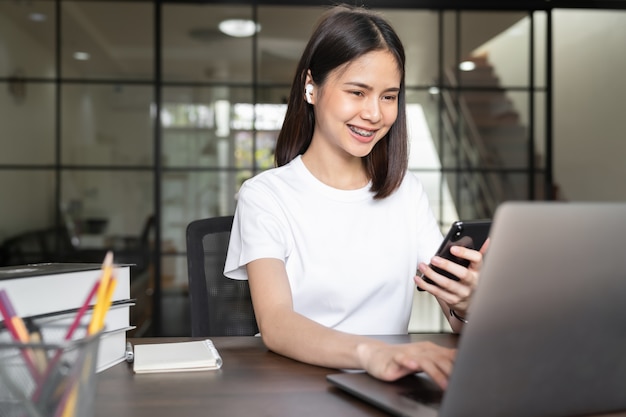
x: 456, y: 294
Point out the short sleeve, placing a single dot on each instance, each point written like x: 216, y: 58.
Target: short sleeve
x: 259, y: 230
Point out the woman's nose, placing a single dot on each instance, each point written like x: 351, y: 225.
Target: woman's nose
x: 371, y: 110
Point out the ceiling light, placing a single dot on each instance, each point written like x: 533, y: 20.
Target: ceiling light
x: 239, y: 28
x: 467, y: 66
x: 37, y: 17
x: 81, y: 56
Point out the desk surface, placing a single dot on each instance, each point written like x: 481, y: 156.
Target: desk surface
x: 252, y: 382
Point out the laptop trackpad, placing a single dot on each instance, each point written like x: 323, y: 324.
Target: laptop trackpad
x: 420, y: 388
x: 412, y: 396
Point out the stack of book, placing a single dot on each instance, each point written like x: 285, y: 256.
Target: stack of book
x: 57, y: 291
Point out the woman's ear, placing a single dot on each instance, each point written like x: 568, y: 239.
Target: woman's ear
x: 308, y: 92
x: 309, y: 88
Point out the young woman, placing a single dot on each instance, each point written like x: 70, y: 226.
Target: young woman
x: 331, y: 240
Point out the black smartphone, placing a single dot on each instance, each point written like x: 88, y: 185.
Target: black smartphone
x: 470, y: 234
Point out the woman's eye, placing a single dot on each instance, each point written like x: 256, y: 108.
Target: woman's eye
x: 390, y: 98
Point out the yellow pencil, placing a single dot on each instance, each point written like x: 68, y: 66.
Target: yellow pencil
x: 108, y: 300
x: 69, y: 407
x: 39, y: 353
x: 98, y: 310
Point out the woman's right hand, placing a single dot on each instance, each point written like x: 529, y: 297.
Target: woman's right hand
x: 390, y: 362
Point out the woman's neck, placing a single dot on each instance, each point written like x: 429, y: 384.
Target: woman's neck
x: 341, y: 173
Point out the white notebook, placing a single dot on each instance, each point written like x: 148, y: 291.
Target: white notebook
x: 198, y: 355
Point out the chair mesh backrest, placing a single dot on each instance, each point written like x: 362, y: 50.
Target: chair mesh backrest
x: 220, y: 306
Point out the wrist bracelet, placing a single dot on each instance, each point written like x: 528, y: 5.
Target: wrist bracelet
x: 456, y: 316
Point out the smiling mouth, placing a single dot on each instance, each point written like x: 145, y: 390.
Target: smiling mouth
x: 362, y: 132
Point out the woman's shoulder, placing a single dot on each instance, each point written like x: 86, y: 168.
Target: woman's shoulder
x: 411, y: 182
x: 411, y: 192
x: 273, y: 175
x: 278, y: 182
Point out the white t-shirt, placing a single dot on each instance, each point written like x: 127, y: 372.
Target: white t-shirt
x: 350, y: 259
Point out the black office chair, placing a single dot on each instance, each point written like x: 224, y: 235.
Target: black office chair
x: 220, y: 306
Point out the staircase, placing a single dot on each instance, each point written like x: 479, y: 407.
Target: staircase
x: 484, y: 133
x: 497, y: 121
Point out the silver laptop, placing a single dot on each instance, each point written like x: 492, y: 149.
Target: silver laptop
x: 547, y: 328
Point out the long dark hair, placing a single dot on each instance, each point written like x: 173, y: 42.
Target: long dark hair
x: 342, y: 34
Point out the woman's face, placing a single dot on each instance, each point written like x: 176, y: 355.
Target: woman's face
x: 357, y: 104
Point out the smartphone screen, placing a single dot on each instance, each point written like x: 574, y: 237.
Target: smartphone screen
x: 470, y: 234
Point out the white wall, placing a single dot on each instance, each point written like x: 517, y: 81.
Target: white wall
x: 589, y: 92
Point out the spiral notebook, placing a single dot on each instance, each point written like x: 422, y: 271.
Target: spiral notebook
x: 199, y: 355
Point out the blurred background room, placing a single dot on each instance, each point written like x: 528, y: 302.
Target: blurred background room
x: 121, y: 121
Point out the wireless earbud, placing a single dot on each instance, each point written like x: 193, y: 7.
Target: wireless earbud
x: 307, y: 92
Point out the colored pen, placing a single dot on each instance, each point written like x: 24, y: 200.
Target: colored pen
x: 81, y: 312
x: 108, y: 300
x: 104, y: 305
x: 99, y: 308
x: 18, y: 330
x: 13, y: 322
x: 39, y: 352
x: 53, y: 365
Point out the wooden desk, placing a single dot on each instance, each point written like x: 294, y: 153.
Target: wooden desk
x: 252, y: 382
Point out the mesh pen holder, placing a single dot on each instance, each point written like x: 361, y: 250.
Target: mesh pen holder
x: 54, y: 378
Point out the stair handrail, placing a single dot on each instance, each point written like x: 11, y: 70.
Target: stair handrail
x: 490, y: 184
x: 479, y: 199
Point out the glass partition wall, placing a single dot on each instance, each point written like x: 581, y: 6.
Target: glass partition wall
x: 123, y: 121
